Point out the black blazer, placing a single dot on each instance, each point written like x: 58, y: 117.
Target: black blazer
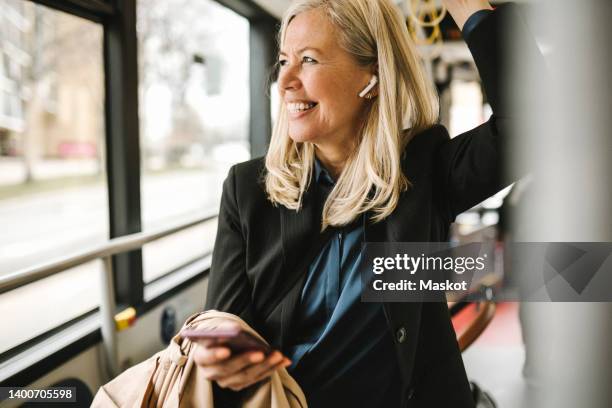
x: 262, y: 251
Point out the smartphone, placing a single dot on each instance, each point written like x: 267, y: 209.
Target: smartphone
x: 237, y: 340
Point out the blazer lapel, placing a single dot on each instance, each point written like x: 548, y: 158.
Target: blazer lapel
x: 301, y: 241
x: 299, y: 229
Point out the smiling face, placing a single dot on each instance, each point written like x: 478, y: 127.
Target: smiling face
x: 319, y: 82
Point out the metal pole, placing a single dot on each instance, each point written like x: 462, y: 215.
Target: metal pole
x: 107, y: 314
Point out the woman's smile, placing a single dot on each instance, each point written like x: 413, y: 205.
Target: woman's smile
x: 298, y: 110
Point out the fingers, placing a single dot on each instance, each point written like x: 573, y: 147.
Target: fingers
x: 236, y: 372
x: 205, y: 355
x: 229, y: 366
x: 259, y: 374
x: 254, y: 372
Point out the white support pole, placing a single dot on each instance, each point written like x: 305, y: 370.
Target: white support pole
x: 107, y: 314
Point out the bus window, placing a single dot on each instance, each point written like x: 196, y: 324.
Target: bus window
x: 53, y: 191
x: 194, y: 117
x: 467, y: 109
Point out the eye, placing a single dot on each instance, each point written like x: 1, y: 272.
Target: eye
x: 282, y: 62
x: 309, y: 60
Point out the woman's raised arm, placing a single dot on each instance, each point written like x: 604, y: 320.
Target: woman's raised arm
x: 461, y: 10
x: 470, y: 166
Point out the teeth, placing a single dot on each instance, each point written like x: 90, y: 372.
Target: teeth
x: 299, y: 106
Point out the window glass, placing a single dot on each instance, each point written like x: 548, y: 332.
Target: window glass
x: 53, y: 193
x: 194, y: 116
x: 467, y: 109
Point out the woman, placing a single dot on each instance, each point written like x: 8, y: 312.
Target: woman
x: 355, y: 156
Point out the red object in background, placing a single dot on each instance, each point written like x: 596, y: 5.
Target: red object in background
x: 504, y: 329
x: 77, y: 150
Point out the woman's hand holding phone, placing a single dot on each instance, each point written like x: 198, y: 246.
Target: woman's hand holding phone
x: 232, y: 369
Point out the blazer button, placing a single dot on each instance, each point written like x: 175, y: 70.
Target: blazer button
x: 400, y: 335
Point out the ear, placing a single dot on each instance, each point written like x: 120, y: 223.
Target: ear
x: 374, y: 91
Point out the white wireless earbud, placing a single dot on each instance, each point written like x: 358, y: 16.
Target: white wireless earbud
x: 368, y: 88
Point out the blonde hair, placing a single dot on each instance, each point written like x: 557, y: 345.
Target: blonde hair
x: 373, y: 32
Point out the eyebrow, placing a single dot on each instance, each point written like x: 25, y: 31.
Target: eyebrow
x: 301, y: 50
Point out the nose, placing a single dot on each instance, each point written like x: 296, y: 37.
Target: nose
x: 288, y: 78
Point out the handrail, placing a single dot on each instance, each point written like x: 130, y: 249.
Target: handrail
x: 105, y: 252
x: 112, y: 247
x: 486, y: 313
